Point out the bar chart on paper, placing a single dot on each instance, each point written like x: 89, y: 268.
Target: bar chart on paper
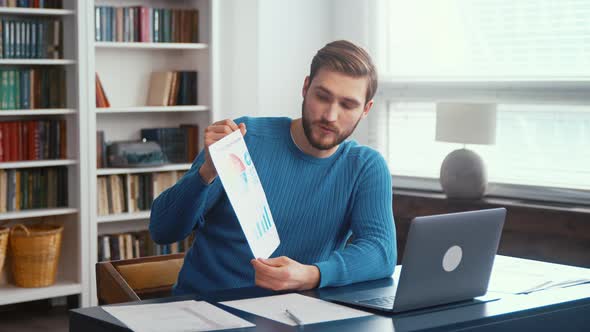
x: 263, y: 225
x: 246, y: 195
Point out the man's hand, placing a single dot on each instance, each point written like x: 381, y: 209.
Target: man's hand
x: 214, y: 133
x: 283, y: 273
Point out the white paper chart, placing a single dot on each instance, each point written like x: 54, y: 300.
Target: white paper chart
x: 246, y: 195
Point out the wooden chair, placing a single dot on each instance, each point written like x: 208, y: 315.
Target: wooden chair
x: 137, y: 279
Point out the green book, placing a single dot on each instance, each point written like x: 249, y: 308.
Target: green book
x: 3, y: 90
x: 17, y: 101
x: 11, y: 89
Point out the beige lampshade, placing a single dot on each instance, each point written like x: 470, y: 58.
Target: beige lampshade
x: 467, y: 123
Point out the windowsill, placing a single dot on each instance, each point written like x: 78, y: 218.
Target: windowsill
x: 494, y: 200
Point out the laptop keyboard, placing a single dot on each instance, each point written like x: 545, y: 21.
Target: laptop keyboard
x: 385, y: 301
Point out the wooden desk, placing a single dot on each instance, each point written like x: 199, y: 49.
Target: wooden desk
x: 564, y: 309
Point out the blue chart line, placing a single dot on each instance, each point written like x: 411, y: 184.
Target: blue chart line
x: 262, y: 226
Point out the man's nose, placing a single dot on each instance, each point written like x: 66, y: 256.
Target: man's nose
x: 331, y: 114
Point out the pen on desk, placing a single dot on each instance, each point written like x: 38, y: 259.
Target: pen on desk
x: 293, y: 317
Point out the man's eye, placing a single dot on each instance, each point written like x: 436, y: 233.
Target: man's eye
x: 347, y: 106
x: 323, y: 97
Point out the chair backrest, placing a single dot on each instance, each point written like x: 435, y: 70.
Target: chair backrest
x: 137, y: 279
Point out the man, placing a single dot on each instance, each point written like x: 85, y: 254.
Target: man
x: 320, y: 190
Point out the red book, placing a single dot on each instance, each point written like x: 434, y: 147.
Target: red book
x: 31, y: 139
x: 19, y: 140
x: 63, y: 146
x: 144, y: 24
x: 12, y: 141
x: 1, y: 142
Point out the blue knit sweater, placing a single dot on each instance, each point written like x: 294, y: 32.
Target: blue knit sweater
x: 316, y: 204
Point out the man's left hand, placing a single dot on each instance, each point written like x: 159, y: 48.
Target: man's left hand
x: 283, y: 273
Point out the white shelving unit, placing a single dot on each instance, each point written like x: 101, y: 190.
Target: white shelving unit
x: 124, y: 69
x: 37, y: 112
x: 35, y: 213
x: 73, y: 268
x: 36, y: 11
x: 143, y: 215
x: 38, y: 163
x: 152, y: 46
x: 13, y: 294
x: 148, y: 109
x: 36, y: 62
x: 165, y: 168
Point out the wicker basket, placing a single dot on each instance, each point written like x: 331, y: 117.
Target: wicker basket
x: 35, y: 253
x: 3, y: 245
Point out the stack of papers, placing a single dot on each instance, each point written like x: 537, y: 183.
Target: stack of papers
x: 307, y: 309
x: 176, y: 316
x: 514, y: 276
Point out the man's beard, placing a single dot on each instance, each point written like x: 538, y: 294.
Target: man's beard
x: 307, y: 129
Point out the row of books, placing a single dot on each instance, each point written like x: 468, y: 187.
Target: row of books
x: 144, y: 188
x: 33, y: 140
x: 32, y: 88
x: 180, y: 145
x: 119, y: 194
x: 145, y: 24
x: 173, y: 88
x: 112, y: 194
x: 33, y: 188
x: 31, y: 3
x: 30, y: 38
x: 135, y: 245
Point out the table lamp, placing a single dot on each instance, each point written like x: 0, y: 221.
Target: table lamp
x: 463, y: 174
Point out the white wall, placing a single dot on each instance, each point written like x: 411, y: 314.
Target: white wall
x: 266, y: 47
x: 290, y: 33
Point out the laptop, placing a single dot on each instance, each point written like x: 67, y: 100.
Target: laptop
x: 448, y: 258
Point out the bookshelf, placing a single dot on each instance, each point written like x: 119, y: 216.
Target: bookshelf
x: 73, y: 270
x: 124, y: 69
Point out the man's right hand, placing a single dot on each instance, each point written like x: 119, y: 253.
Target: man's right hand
x: 214, y: 133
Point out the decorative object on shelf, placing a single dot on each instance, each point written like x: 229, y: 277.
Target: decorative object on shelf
x: 4, y: 231
x: 135, y: 154
x: 172, y: 141
x: 35, y: 252
x: 463, y: 174
x: 101, y: 98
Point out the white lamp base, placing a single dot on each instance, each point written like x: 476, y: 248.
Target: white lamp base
x: 463, y: 175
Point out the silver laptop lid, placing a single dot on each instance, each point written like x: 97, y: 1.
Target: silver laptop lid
x: 448, y: 258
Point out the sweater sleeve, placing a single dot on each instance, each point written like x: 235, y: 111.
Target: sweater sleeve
x: 372, y: 254
x: 181, y: 208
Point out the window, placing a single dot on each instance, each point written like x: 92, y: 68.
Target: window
x: 531, y: 57
x: 487, y: 38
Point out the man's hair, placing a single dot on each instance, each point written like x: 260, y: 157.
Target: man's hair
x: 345, y: 57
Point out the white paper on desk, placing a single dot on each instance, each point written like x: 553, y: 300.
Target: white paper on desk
x: 308, y: 309
x: 246, y: 195
x: 180, y: 316
x: 517, y: 276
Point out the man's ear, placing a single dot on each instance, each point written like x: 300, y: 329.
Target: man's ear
x: 305, y: 86
x: 367, y: 108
